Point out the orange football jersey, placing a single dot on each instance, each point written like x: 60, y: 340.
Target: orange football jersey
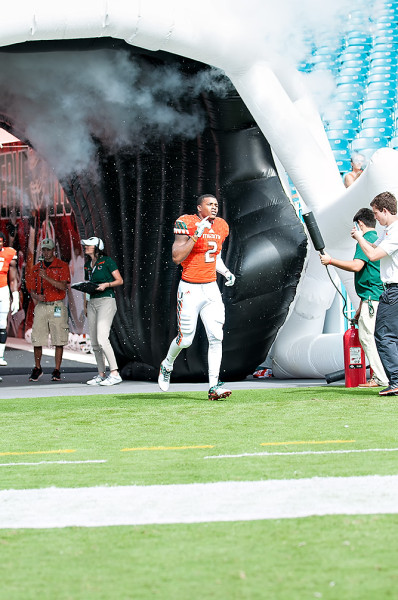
x: 200, y: 264
x: 7, y: 254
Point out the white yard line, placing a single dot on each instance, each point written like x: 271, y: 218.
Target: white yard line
x: 299, y: 453
x: 50, y: 462
x: 198, y: 503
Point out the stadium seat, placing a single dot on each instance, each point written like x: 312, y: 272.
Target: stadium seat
x: 343, y: 165
x: 386, y: 76
x: 382, y: 85
x: 332, y: 114
x: 361, y: 144
x: 359, y: 78
x: 386, y: 94
x: 352, y: 124
x: 384, y: 62
x: 374, y: 113
x: 339, y: 144
x: 341, y: 134
x: 382, y: 104
x: 341, y: 154
x: 390, y: 38
x: 346, y: 71
x: 374, y: 54
x: 373, y: 132
x: 349, y: 64
x: 377, y: 122
x: 353, y: 55
x: 383, y: 70
x: 353, y: 96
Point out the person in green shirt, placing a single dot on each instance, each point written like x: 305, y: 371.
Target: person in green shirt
x: 369, y: 288
x: 101, y: 308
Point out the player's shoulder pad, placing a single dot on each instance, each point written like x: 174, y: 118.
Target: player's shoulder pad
x: 183, y: 224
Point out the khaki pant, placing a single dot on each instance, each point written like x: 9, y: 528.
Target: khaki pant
x: 100, y: 314
x: 366, y: 331
x: 45, y: 323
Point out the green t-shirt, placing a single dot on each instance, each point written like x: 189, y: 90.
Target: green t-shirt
x: 101, y: 273
x: 367, y: 282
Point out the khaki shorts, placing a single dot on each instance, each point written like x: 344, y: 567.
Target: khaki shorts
x: 45, y: 323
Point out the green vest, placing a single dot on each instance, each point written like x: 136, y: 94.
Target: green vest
x: 368, y: 284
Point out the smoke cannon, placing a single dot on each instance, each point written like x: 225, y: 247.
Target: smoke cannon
x: 314, y: 233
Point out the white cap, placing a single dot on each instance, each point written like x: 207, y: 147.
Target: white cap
x: 94, y: 241
x: 48, y: 243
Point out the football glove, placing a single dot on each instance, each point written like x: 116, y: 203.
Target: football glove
x: 15, y: 303
x: 204, y: 224
x: 230, y: 279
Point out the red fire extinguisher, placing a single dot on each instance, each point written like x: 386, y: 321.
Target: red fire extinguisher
x: 354, y: 358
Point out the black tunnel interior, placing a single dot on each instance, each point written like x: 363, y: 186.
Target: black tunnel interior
x: 133, y: 197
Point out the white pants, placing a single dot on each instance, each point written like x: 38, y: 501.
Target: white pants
x: 366, y: 330
x: 4, y: 306
x: 194, y: 299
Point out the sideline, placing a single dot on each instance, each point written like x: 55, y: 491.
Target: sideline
x: 198, y: 503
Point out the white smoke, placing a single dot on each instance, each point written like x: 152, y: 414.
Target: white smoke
x: 67, y: 99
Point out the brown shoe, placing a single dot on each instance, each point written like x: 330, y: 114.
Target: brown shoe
x: 369, y: 384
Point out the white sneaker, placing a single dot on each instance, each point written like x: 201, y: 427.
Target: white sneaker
x: 111, y: 380
x: 3, y: 363
x: 95, y: 380
x: 218, y: 392
x: 164, y: 377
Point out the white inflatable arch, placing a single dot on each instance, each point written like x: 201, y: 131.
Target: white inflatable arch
x: 211, y: 32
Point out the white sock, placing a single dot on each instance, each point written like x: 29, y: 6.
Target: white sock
x: 172, y: 354
x: 214, y: 357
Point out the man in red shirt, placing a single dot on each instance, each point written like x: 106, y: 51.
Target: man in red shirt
x: 197, y: 246
x: 8, y: 271
x: 47, y: 286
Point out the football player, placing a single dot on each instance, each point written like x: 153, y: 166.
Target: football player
x: 8, y: 270
x: 197, y: 246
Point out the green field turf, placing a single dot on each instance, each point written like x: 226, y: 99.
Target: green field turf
x: 151, y: 439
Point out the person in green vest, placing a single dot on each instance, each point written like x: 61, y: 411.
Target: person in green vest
x: 369, y: 288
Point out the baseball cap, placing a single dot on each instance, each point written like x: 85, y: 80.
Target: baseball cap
x: 93, y: 241
x: 48, y: 243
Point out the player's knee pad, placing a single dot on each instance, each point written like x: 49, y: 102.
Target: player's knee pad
x: 3, y: 336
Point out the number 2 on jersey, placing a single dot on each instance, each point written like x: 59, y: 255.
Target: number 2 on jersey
x: 209, y: 255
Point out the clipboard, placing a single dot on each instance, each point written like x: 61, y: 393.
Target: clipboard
x: 87, y: 287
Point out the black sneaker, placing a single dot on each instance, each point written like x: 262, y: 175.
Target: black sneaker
x: 391, y: 390
x: 56, y: 375
x: 36, y: 374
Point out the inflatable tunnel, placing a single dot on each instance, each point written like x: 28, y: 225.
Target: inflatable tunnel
x: 131, y: 197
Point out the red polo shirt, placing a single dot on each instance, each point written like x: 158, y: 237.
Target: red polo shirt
x: 57, y: 270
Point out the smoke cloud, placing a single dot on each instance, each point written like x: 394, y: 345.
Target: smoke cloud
x: 68, y: 99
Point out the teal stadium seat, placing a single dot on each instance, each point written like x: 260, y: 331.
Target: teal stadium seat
x: 365, y: 143
x: 343, y: 165
x: 384, y: 62
x: 376, y: 113
x: 341, y: 134
x: 342, y: 154
x: 373, y: 132
x: 339, y: 144
x: 386, y: 94
x: 389, y: 76
x: 343, y: 124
